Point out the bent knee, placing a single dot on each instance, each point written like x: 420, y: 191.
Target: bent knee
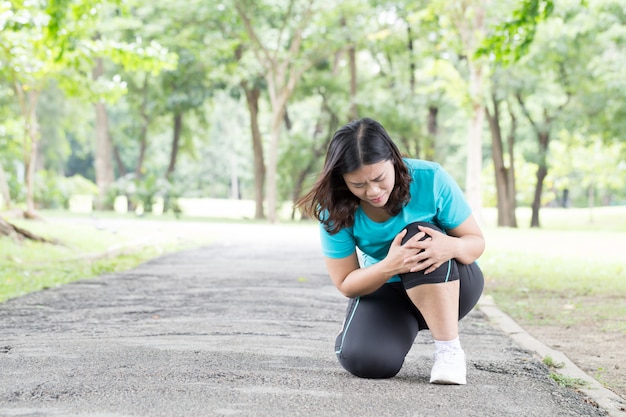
x: 370, y: 364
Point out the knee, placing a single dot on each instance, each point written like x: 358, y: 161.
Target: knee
x: 370, y: 364
x: 412, y: 229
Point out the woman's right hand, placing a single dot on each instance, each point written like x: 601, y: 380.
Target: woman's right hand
x: 398, y: 253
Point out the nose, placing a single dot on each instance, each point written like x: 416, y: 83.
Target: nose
x: 372, y: 190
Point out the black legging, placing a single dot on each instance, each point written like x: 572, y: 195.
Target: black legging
x: 381, y: 327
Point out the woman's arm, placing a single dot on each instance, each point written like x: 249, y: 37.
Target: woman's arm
x: 465, y: 243
x: 353, y: 281
x: 470, y: 243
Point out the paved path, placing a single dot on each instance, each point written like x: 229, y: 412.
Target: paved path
x: 244, y: 327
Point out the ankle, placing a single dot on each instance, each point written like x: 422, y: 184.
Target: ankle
x: 454, y: 344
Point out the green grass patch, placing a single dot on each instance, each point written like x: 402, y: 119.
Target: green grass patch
x: 575, y: 273
x: 568, y: 382
x: 86, y: 249
x: 550, y: 363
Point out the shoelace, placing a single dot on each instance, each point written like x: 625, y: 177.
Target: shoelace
x: 448, y: 355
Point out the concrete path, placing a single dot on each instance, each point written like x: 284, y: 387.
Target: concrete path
x: 244, y: 327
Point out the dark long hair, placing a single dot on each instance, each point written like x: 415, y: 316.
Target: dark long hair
x: 361, y: 142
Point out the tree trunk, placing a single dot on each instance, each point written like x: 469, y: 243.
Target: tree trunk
x: 473, y: 183
x: 178, y: 127
x: 506, y: 206
x: 354, y: 112
x: 121, y: 169
x: 433, y: 132
x: 542, y: 172
x: 469, y: 19
x: 143, y: 144
x: 543, y: 137
x: 143, y: 136
x: 8, y: 229
x: 4, y: 190
x: 591, y: 198
x: 272, y: 171
x: 317, y: 150
x: 409, y: 45
x: 283, y: 69
x: 252, y: 98
x: 32, y: 130
x: 511, y: 187
x: 103, y: 160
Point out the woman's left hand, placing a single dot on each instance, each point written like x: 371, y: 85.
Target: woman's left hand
x: 433, y: 250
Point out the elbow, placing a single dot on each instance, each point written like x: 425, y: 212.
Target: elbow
x: 347, y: 292
x: 473, y: 251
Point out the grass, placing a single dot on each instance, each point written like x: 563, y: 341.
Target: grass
x: 563, y: 380
x: 550, y: 363
x: 561, y: 274
x: 572, y: 270
x: 570, y: 273
x: 87, y: 249
x: 567, y: 381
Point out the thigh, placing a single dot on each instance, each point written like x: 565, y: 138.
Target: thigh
x: 378, y: 332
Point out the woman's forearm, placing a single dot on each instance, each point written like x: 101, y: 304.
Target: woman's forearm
x: 468, y: 248
x: 363, y: 281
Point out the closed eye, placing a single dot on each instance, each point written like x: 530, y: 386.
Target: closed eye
x: 380, y: 178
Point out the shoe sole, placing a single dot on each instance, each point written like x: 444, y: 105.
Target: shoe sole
x: 447, y: 382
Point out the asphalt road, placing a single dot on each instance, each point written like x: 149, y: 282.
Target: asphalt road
x: 244, y: 327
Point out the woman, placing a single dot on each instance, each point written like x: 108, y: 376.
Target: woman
x: 417, y: 241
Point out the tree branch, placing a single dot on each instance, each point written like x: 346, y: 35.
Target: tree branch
x: 267, y: 61
x: 522, y: 104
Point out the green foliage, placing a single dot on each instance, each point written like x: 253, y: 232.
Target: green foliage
x: 54, y: 192
x: 511, y: 39
x: 194, y: 59
x: 594, y: 173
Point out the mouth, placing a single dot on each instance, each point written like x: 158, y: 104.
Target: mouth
x: 377, y: 200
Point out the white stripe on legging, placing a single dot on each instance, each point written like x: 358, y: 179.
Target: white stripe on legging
x: 347, y: 324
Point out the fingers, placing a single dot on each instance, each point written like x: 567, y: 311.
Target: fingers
x: 398, y: 239
x: 426, y: 265
x: 429, y: 231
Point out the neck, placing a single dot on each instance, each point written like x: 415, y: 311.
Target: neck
x: 377, y: 214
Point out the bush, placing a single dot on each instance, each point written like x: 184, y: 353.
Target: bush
x: 53, y: 191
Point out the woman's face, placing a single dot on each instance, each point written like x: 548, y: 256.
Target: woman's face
x: 372, y: 184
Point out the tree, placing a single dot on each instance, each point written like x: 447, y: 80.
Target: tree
x: 33, y: 52
x: 587, y: 169
x: 506, y: 43
x: 252, y: 91
x: 103, y: 161
x: 4, y: 189
x: 504, y: 169
x: 138, y: 54
x: 280, y: 52
x: 468, y: 17
x: 56, y: 41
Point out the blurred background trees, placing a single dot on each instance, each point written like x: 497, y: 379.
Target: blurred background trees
x: 522, y: 102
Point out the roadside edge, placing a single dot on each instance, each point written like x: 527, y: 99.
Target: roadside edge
x: 604, y: 397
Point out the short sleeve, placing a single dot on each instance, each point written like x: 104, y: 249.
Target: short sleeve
x: 339, y: 245
x: 452, y: 207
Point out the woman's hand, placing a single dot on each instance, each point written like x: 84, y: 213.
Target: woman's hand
x: 426, y: 250
x: 429, y: 249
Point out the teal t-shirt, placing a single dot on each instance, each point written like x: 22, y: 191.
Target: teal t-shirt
x: 435, y: 198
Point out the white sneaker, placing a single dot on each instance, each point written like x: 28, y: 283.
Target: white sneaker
x: 449, y: 367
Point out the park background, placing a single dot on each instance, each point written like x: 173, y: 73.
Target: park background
x: 164, y: 113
